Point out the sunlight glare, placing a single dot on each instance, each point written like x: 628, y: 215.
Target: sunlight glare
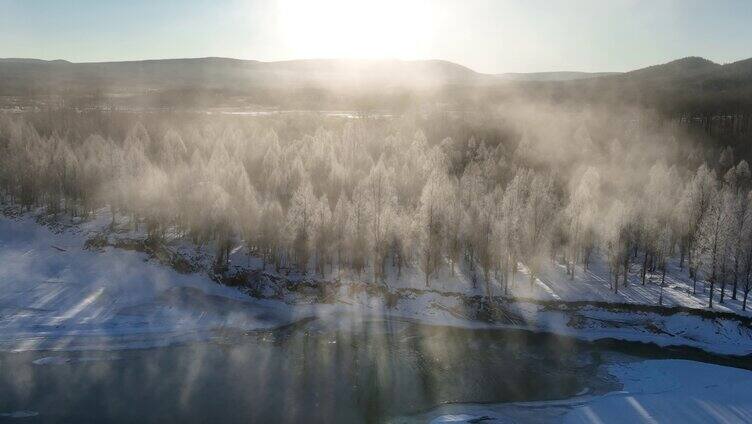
x: 354, y: 29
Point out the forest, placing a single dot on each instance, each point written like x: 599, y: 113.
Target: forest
x: 369, y: 196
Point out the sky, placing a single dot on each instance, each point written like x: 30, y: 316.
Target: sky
x: 491, y: 36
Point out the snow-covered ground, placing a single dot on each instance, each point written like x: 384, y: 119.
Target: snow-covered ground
x: 654, y: 391
x: 721, y: 336
x: 55, y: 294
x: 593, y: 284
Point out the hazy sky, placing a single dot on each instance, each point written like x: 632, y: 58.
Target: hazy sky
x: 486, y: 35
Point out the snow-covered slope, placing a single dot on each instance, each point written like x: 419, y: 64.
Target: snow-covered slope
x: 57, y: 293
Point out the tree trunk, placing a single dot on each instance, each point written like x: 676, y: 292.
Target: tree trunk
x: 723, y: 281
x: 112, y: 212
x: 694, y: 284
x: 616, y: 280
x: 399, y: 266
x: 644, y: 267
x: 653, y: 264
x: 586, y: 260
x: 663, y: 279
x: 488, y: 288
x: 574, y: 265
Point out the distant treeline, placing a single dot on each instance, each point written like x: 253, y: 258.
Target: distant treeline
x: 719, y: 114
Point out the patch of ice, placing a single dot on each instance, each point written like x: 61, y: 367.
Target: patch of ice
x: 19, y: 414
x: 51, y: 360
x: 461, y: 418
x: 672, y: 391
x: 654, y: 391
x: 58, y: 360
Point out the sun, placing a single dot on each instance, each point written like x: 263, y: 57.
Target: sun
x: 355, y: 29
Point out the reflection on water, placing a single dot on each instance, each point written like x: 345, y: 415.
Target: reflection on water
x: 363, y: 371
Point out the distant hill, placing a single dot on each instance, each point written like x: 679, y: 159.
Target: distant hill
x: 552, y: 76
x: 25, y: 60
x: 691, y: 85
x: 20, y: 76
x: 688, y: 86
x: 687, y: 67
x: 23, y: 75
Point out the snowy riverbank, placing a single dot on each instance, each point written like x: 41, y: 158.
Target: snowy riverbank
x: 54, y: 294
x: 653, y: 391
x: 57, y: 294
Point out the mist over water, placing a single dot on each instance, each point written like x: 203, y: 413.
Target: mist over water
x: 365, y: 371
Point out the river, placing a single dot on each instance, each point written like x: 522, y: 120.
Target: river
x: 346, y: 371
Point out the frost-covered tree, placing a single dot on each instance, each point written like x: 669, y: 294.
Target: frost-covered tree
x: 508, y: 229
x: 379, y: 189
x: 429, y: 223
x: 340, y: 224
x: 617, y: 239
x: 309, y: 191
x: 745, y: 245
x: 455, y: 217
x: 712, y: 239
x: 537, y: 218
x: 357, y: 232
x: 658, y: 239
x: 323, y: 234
x: 693, y: 206
x: 300, y: 219
x: 581, y: 214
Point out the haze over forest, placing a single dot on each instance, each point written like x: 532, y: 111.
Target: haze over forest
x: 564, y: 134
x: 705, y: 94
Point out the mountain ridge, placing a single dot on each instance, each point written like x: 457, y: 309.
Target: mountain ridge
x: 686, y: 85
x: 691, y: 61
